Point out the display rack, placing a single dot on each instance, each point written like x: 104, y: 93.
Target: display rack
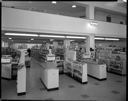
x: 118, y: 64
x: 109, y: 56
x: 6, y: 66
x: 77, y: 70
x: 60, y: 66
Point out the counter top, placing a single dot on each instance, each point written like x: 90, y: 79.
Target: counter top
x: 96, y: 63
x: 48, y: 65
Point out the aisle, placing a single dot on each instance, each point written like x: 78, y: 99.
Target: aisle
x: 33, y: 76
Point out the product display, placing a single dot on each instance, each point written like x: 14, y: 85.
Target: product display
x: 77, y: 70
x: 60, y: 65
x: 97, y: 70
x: 113, y: 57
x: 117, y: 63
x: 6, y: 66
x: 50, y: 75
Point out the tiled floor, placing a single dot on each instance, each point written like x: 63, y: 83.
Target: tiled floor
x: 112, y: 89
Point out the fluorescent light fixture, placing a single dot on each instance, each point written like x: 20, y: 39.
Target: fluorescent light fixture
x: 52, y: 36
x: 75, y: 37
x: 20, y: 34
x: 10, y: 38
x: 115, y: 39
x: 94, y: 23
x: 99, y: 38
x: 53, y: 2
x: 73, y: 6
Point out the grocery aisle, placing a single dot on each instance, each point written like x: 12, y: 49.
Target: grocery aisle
x: 112, y: 89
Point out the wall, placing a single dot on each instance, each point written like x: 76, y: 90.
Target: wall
x: 21, y: 20
x: 107, y: 43
x: 115, y: 18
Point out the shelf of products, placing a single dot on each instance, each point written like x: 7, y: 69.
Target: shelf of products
x: 6, y: 66
x: 60, y: 52
x: 77, y: 70
x: 60, y: 65
x: 9, y: 63
x: 112, y: 57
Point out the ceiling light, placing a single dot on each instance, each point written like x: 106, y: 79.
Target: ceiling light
x: 53, y: 2
x: 55, y: 36
x: 19, y: 34
x: 73, y: 6
x: 99, y: 38
x: 114, y: 39
x: 10, y: 38
x: 75, y: 37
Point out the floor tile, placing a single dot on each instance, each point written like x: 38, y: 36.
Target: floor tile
x: 96, y: 83
x: 112, y: 89
x: 84, y: 96
x: 71, y: 86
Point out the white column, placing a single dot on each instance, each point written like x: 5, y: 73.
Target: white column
x: 90, y: 43
x: 90, y: 11
x: 21, y: 75
x: 66, y: 45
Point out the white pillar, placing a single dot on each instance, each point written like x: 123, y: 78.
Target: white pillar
x: 90, y: 43
x: 90, y: 11
x: 66, y: 45
x: 21, y: 75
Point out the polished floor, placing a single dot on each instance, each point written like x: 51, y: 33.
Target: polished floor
x: 112, y: 89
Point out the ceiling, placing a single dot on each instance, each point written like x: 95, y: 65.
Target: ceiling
x: 62, y: 8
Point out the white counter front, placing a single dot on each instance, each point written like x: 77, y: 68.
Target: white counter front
x: 50, y: 75
x: 97, y: 70
x: 77, y: 70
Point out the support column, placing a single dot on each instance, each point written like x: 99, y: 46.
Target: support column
x: 90, y: 12
x: 66, y: 45
x: 90, y: 43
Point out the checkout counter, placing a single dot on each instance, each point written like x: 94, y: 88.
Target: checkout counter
x: 50, y: 75
x: 96, y: 70
x: 77, y: 70
x: 50, y: 72
x: 6, y: 66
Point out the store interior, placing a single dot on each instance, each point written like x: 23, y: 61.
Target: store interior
x: 59, y: 67
x: 63, y: 50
